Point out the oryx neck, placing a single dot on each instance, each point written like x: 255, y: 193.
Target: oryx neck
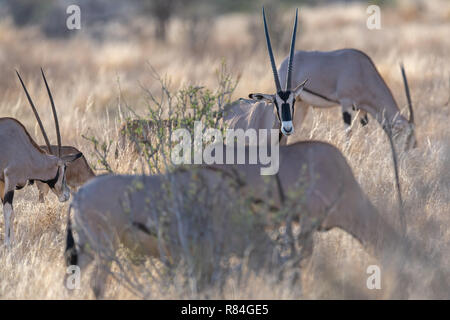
x: 51, y: 182
x: 44, y: 168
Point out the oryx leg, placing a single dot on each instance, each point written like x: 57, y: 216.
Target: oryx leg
x: 99, y: 249
x: 43, y: 189
x: 81, y: 254
x: 99, y: 277
x: 78, y: 254
x: 8, y: 211
x: 2, y: 189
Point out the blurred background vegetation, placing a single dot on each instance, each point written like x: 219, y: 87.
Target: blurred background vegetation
x: 50, y: 15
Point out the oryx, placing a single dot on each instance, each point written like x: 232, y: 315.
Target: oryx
x: 78, y: 172
x: 332, y: 198
x: 283, y: 99
x: 23, y: 161
x: 345, y: 77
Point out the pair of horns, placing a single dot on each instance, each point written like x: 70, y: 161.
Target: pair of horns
x: 55, y: 116
x: 408, y: 95
x: 291, y: 54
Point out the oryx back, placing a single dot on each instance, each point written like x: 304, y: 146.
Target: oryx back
x: 21, y: 153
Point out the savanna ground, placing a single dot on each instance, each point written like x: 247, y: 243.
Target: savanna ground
x: 93, y: 80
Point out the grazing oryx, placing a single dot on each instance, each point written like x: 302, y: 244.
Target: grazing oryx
x: 22, y: 160
x: 283, y: 100
x: 346, y: 77
x: 331, y: 198
x: 78, y: 172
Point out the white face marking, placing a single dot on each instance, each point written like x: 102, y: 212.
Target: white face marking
x: 287, y: 128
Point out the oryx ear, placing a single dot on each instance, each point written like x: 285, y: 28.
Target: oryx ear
x: 300, y: 87
x: 71, y: 157
x: 261, y: 96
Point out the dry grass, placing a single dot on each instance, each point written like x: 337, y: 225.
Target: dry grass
x: 86, y: 76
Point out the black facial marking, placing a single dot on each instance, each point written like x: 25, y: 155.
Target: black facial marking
x: 9, y: 196
x: 347, y: 117
x: 284, y: 95
x: 286, y: 112
x: 364, y: 120
x: 285, y: 107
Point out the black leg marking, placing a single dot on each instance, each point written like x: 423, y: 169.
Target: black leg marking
x: 347, y: 118
x: 71, y: 253
x: 9, y: 196
x: 364, y: 120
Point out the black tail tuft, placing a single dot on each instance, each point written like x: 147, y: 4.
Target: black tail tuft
x: 70, y: 254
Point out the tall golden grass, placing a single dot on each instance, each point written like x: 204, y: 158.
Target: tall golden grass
x: 92, y: 81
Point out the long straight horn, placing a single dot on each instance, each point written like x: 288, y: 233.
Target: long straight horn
x: 272, y: 59
x: 408, y: 95
x: 55, y: 116
x: 397, y: 179
x: 291, y: 55
x: 47, y: 142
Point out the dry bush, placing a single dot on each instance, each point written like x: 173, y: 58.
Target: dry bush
x: 208, y: 233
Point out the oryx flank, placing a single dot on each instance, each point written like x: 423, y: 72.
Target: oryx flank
x: 23, y: 161
x: 78, y: 172
x: 345, y: 77
x: 332, y: 198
